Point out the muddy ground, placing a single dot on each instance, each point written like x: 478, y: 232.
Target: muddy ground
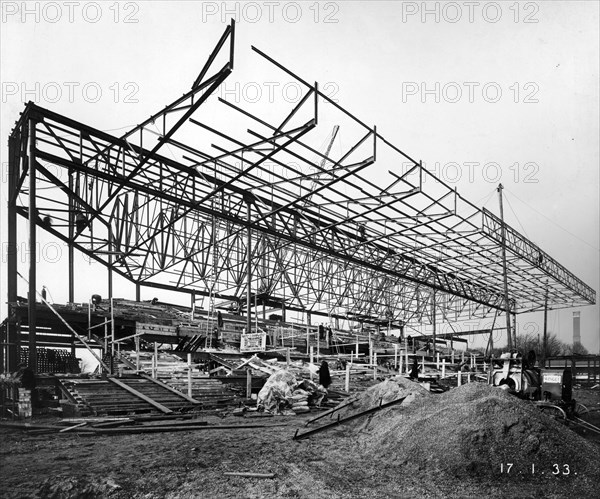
x: 192, y: 464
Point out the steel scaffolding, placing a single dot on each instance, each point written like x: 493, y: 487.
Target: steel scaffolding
x: 246, y: 209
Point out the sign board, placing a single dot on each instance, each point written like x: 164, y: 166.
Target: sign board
x: 145, y: 328
x: 253, y: 342
x: 552, y: 378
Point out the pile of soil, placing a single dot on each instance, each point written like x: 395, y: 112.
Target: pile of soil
x: 387, y: 391
x: 475, y: 430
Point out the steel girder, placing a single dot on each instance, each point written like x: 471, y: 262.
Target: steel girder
x: 324, y: 236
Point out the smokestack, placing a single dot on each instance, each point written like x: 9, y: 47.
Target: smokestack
x: 576, y: 333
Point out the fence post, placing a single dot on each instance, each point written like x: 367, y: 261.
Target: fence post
x: 347, y: 387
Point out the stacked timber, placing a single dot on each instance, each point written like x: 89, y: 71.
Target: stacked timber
x: 175, y: 372
x: 111, y: 396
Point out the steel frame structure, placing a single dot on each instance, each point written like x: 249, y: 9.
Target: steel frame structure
x: 245, y: 208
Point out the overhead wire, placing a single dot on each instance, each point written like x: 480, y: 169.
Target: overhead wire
x: 554, y: 222
x: 516, y: 217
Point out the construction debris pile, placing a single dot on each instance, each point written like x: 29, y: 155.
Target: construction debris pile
x: 382, y: 393
x: 284, y: 394
x: 471, y: 430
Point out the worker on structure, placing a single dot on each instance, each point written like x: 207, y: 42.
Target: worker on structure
x: 329, y: 335
x: 324, y: 374
x: 80, y: 222
x: 414, y: 372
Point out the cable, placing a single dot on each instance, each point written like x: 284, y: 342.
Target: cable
x: 476, y: 203
x: 517, y: 218
x: 559, y: 226
x: 120, y: 128
x: 487, y: 199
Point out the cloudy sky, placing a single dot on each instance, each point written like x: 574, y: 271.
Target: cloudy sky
x: 487, y: 93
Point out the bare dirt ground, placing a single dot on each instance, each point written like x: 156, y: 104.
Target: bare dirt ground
x: 349, y: 461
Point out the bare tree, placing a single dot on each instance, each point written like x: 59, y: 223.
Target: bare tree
x: 575, y: 349
x: 532, y: 341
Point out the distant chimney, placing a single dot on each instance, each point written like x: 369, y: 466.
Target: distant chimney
x: 576, y: 333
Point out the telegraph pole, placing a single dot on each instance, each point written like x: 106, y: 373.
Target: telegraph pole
x: 545, y: 341
x: 504, y: 270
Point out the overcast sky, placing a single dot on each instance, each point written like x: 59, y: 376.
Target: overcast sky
x: 494, y: 92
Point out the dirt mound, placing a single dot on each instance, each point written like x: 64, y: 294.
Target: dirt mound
x: 382, y: 393
x: 478, y: 430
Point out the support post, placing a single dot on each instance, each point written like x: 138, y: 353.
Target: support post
x: 11, y: 360
x: 504, y: 271
x: 189, y: 376
x: 89, y: 335
x: 312, y: 360
x: 375, y: 365
x: 110, y: 262
x: 248, y: 268
x: 347, y: 384
x: 137, y: 354
x: 112, y: 335
x: 71, y: 250
x: 307, y: 337
x: 396, y: 356
x: 248, y: 384
x: 434, y: 324
x: 545, y: 341
x: 155, y: 361
x: 443, y: 368
x: 32, y: 323
x: 406, y: 359
x: 400, y: 367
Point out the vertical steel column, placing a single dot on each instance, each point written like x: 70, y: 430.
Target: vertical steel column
x: 110, y: 261
x: 433, y: 319
x: 248, y: 268
x: 504, y: 271
x: 514, y: 325
x: 10, y: 360
x: 545, y: 341
x: 31, y: 300
x: 71, y: 254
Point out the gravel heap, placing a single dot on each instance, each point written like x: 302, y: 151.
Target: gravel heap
x: 471, y: 431
x: 387, y: 391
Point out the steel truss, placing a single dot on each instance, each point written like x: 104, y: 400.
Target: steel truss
x: 245, y: 208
